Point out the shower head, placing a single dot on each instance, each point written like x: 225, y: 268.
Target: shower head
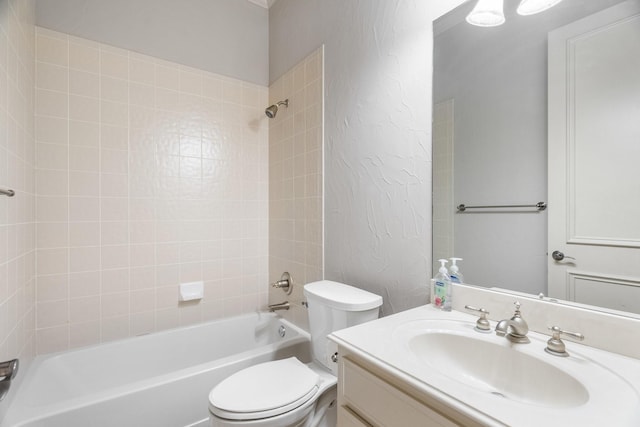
x: 272, y: 110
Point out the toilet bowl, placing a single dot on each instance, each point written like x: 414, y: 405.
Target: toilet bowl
x: 287, y: 392
x: 272, y: 394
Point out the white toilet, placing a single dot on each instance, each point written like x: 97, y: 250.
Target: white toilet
x: 289, y: 393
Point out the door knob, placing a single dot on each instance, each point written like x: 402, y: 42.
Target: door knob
x: 559, y: 256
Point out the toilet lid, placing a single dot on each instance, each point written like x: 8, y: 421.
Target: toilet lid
x: 264, y: 390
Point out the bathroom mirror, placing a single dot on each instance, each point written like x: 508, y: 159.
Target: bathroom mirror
x: 490, y: 134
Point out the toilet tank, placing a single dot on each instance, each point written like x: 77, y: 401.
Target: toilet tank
x: 334, y: 306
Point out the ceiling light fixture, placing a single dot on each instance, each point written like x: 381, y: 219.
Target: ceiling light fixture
x: 531, y: 7
x: 490, y: 13
x: 487, y: 13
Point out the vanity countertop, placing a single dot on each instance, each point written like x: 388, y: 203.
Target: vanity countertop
x: 590, y: 387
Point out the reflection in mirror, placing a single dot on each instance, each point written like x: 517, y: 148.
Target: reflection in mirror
x: 490, y: 135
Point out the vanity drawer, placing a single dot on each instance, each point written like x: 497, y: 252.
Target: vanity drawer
x: 382, y: 404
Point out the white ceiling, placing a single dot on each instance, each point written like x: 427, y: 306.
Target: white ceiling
x: 264, y: 3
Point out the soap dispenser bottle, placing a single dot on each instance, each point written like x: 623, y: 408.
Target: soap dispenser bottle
x: 442, y: 288
x: 454, y: 272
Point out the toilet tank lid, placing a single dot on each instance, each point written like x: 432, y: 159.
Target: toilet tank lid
x: 340, y: 296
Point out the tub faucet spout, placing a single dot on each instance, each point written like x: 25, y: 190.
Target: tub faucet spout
x: 515, y: 329
x: 279, y: 306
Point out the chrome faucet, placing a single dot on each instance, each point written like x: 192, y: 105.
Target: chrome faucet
x: 281, y: 306
x: 515, y: 329
x: 8, y: 371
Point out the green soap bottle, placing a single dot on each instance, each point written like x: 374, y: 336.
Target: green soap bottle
x: 442, y: 288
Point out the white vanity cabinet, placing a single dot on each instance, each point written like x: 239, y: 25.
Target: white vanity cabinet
x: 370, y: 397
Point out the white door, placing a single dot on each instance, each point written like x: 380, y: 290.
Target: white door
x: 594, y: 159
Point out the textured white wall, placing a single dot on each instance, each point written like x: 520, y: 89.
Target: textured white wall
x: 228, y: 37
x: 377, y: 135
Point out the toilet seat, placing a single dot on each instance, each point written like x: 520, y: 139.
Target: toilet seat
x: 264, y: 390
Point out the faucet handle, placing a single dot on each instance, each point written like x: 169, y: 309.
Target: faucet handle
x: 517, y: 314
x: 518, y: 305
x: 482, y: 324
x: 285, y: 283
x: 555, y: 345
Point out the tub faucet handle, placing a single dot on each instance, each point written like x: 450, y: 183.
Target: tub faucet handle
x: 281, y: 284
x: 284, y: 283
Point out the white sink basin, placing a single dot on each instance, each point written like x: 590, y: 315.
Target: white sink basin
x: 494, y: 381
x: 498, y: 369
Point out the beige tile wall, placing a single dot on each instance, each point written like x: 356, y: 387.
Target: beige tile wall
x: 295, y: 182
x: 17, y: 227
x: 149, y: 174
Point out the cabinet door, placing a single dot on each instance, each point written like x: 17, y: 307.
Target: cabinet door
x: 382, y: 404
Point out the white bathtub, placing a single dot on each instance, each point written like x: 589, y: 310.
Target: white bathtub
x: 160, y: 379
